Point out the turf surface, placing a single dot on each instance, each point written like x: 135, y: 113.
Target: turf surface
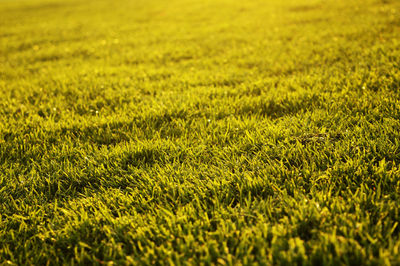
x: 200, y: 132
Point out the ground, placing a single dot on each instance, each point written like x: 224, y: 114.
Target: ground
x: 200, y: 132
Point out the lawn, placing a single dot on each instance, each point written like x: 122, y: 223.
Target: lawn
x: 200, y: 132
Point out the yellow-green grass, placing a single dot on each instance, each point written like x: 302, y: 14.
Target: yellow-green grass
x: 200, y: 132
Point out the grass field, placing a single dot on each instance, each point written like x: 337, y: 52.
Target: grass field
x: 184, y: 132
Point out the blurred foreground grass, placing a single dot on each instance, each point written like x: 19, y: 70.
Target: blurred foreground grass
x: 200, y: 132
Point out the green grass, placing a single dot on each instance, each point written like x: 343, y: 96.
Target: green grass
x: 200, y: 132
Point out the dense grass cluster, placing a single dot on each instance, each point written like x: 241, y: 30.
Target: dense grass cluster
x: 200, y: 132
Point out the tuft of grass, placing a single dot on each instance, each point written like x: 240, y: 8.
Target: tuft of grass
x: 200, y: 132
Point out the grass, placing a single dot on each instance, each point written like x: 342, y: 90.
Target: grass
x: 200, y: 132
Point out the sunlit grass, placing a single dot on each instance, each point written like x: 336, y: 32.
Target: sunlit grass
x: 200, y: 132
